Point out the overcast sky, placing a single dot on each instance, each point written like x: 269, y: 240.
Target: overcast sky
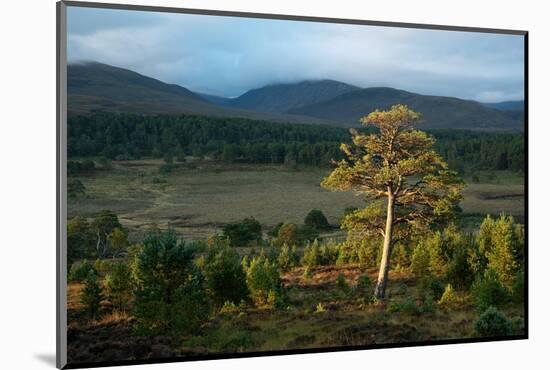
x: 227, y: 56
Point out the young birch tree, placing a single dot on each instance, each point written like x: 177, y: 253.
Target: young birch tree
x: 397, y: 169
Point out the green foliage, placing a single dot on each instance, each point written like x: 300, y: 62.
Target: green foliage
x: 78, y: 167
x: 225, y: 277
x: 420, y: 260
x: 501, y: 247
x: 316, y: 254
x: 104, y: 223
x: 288, y: 258
x: 80, y: 271
x: 341, y: 282
x: 408, y: 306
x: 243, y: 233
x: 449, y: 298
x: 364, y: 284
x: 252, y: 141
x: 118, y: 238
x: 80, y: 239
x: 75, y: 188
x: 92, y: 295
x: 492, y: 323
x: 355, y: 249
x: 518, y: 287
x: 118, y: 284
x: 432, y: 286
x: 170, y: 297
x: 264, y: 283
x: 317, y: 220
x: 488, y: 291
x: 287, y: 234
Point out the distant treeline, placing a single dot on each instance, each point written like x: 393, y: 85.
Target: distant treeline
x: 128, y: 136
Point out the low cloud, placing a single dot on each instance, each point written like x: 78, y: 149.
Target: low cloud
x: 227, y: 56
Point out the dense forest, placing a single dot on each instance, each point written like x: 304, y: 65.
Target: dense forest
x: 128, y: 136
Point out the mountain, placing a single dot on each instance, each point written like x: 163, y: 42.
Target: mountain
x: 507, y: 105
x: 99, y: 87
x: 281, y: 98
x: 93, y: 86
x: 437, y: 111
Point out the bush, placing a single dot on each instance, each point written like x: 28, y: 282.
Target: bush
x: 243, y: 233
x: 264, y: 283
x: 170, y: 298
x: 92, y: 295
x: 518, y: 288
x: 501, y: 247
x: 364, y: 284
x: 449, y: 298
x: 488, y: 291
x: 225, y: 277
x: 287, y: 233
x: 407, y: 306
x: 312, y: 255
x: 317, y: 220
x: 80, y: 271
x: 432, y: 286
x: 288, y: 258
x: 119, y: 285
x: 341, y: 282
x: 492, y: 323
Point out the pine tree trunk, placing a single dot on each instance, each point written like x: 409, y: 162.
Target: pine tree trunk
x: 380, y: 290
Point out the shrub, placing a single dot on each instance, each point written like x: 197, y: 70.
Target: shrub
x: 501, y: 247
x: 225, y: 277
x: 92, y: 294
x: 170, y: 297
x: 420, y: 260
x: 341, y: 282
x: 80, y: 271
x: 407, y: 306
x: 119, y: 285
x: 328, y: 253
x: 432, y: 286
x: 288, y: 258
x: 488, y: 291
x: 307, y: 273
x: 320, y: 308
x: 306, y: 234
x: 459, y: 272
x: 492, y: 323
x: 364, y: 284
x: 449, y: 298
x: 244, y: 232
x: 312, y: 255
x: 518, y: 288
x: 80, y: 239
x: 264, y: 283
x: 317, y: 220
x: 75, y: 188
x: 287, y: 233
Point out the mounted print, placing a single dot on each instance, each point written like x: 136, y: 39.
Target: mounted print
x: 235, y: 184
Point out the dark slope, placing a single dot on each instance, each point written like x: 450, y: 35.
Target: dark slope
x: 282, y: 97
x: 437, y: 111
x: 506, y: 105
x: 95, y: 86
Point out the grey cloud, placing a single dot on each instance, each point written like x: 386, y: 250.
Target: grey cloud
x: 228, y: 56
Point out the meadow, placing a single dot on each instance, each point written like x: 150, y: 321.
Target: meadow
x: 198, y: 197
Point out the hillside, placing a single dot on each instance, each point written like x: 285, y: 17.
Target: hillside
x: 281, y: 98
x: 437, y: 111
x: 100, y: 87
x: 95, y: 86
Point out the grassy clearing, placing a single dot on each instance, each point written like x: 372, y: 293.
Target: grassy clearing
x: 197, y: 199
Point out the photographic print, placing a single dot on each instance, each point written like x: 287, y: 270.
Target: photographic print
x: 241, y: 185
